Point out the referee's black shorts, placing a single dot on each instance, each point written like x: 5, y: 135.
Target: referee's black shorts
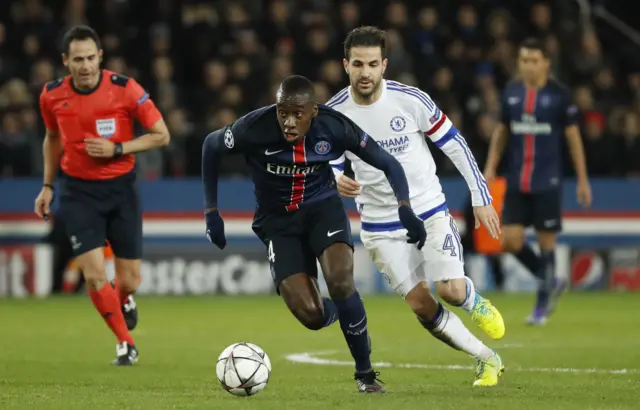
x: 97, y: 210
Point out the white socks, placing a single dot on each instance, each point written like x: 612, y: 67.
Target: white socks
x: 472, y: 298
x: 448, y: 328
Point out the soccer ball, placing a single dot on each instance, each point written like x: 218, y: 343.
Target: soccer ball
x: 243, y: 369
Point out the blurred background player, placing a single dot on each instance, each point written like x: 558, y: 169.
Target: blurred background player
x: 300, y: 217
x: 89, y: 134
x: 537, y: 116
x: 398, y: 117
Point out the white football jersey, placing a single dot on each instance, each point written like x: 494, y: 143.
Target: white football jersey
x: 398, y: 122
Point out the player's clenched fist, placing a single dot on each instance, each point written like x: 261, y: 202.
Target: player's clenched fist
x: 348, y: 187
x: 43, y: 202
x: 215, y: 229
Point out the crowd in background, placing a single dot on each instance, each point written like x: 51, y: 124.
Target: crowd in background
x: 205, y: 63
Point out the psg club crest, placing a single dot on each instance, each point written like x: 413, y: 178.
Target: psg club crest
x: 398, y: 123
x: 106, y: 128
x: 229, y: 141
x: 322, y: 148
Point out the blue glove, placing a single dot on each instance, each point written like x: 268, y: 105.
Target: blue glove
x: 215, y: 229
x: 413, y: 225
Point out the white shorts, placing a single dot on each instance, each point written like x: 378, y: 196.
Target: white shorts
x: 404, y: 266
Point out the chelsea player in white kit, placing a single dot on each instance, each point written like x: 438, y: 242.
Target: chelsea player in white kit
x: 398, y: 116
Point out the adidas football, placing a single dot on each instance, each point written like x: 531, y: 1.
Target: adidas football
x: 243, y: 369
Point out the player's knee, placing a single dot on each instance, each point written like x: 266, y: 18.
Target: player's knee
x: 513, y: 242
x: 95, y: 282
x: 128, y: 273
x: 96, y: 277
x: 129, y: 283
x: 546, y: 240
x: 452, y: 291
x: 310, y: 315
x: 337, y: 267
x: 342, y: 288
x: 92, y: 265
x: 422, y: 302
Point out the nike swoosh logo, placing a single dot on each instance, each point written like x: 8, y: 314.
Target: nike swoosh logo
x: 267, y: 152
x: 330, y: 234
x: 351, y: 325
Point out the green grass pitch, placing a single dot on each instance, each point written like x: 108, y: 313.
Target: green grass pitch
x: 55, y: 354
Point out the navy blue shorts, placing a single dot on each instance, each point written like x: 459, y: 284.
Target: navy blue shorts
x: 295, y: 240
x: 542, y: 210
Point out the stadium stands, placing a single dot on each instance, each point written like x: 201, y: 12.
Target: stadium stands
x: 207, y: 62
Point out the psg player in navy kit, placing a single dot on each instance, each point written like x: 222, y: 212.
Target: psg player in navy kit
x: 300, y: 217
x: 537, y: 114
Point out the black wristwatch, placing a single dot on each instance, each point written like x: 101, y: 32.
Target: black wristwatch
x: 49, y: 186
x: 117, y: 149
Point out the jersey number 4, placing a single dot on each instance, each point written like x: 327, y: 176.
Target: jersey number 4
x: 271, y: 256
x: 449, y: 245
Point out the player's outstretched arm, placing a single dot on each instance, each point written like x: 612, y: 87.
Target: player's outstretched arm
x: 446, y: 136
x: 368, y: 150
x: 215, y: 146
x: 213, y: 149
x: 455, y: 147
x: 453, y: 144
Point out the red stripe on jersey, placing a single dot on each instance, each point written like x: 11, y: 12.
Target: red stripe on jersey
x: 297, y: 188
x: 529, y: 146
x: 437, y: 125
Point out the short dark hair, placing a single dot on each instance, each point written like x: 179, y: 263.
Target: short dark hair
x: 365, y: 36
x: 79, y: 33
x: 531, y: 43
x: 297, y: 85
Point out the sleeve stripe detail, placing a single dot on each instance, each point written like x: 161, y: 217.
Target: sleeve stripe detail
x: 480, y: 182
x: 447, y: 137
x: 439, y: 124
x: 338, y: 98
x: 339, y: 167
x: 415, y: 92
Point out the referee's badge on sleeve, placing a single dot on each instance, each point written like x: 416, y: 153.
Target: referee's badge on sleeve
x: 106, y: 128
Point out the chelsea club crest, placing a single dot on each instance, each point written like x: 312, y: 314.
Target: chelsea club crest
x: 322, y: 148
x: 398, y: 123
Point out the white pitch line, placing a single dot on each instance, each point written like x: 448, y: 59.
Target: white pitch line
x: 510, y: 346
x: 312, y: 358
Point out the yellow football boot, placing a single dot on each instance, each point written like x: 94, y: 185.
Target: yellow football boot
x: 488, y: 371
x: 488, y: 319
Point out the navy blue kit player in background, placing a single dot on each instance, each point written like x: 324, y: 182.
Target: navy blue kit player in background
x: 300, y: 217
x: 537, y: 115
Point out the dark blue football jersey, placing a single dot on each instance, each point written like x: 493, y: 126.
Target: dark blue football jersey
x: 289, y: 176
x: 536, y: 120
